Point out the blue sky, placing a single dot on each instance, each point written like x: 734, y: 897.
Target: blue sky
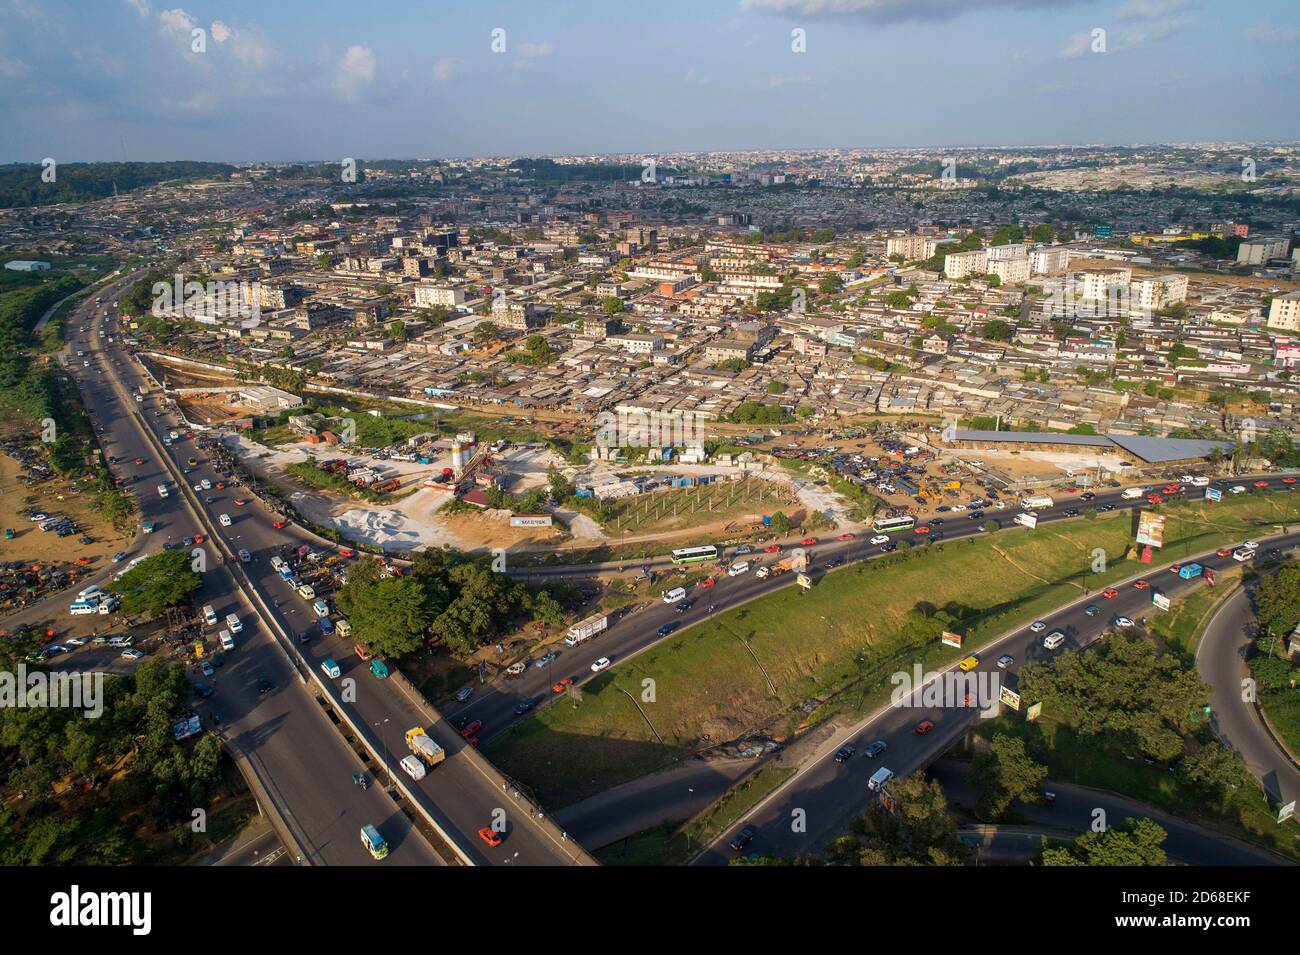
x: 284, y: 79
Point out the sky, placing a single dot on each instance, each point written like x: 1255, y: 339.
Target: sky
x: 282, y: 80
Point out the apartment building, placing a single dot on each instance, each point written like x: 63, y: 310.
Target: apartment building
x: 1284, y: 312
x: 636, y: 344
x: 1012, y: 271
x: 1048, y: 261
x: 958, y: 265
x: 1153, y: 292
x: 1259, y: 250
x: 912, y: 247
x: 427, y: 296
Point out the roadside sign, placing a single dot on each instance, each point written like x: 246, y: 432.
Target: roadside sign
x: 1160, y: 600
x: 1213, y: 494
x: 950, y: 639
x: 1009, y: 696
x: 1286, y: 812
x: 1035, y: 710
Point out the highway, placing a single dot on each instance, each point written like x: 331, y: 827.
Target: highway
x: 1221, y: 662
x: 300, y: 762
x: 831, y: 793
x: 458, y: 794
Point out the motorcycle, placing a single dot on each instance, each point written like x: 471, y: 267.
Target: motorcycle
x: 361, y: 780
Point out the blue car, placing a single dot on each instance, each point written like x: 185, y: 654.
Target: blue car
x: 326, y: 626
x: 667, y: 629
x: 119, y: 556
x: 525, y: 705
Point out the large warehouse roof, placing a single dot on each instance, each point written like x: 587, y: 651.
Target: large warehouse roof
x: 1151, y: 450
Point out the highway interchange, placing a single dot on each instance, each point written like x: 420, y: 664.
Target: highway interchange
x: 304, y: 765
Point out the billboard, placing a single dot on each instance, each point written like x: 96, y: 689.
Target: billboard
x: 950, y: 639
x: 1035, y: 710
x: 1160, y: 600
x: 1151, y: 529
x: 1102, y: 231
x: 1009, y: 696
x: 1286, y: 812
x: 1213, y: 494
x: 530, y: 520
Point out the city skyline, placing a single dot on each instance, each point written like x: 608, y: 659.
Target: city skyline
x: 131, y: 80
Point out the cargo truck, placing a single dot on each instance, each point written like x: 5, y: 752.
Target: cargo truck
x: 1133, y: 493
x: 584, y: 630
x: 1042, y: 500
x: 424, y: 747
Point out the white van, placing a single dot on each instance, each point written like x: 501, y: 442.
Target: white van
x: 227, y: 641
x: 735, y: 570
x: 674, y: 595
x: 209, y: 616
x: 1053, y: 640
x: 343, y: 627
x: 413, y: 766
x: 225, y: 520
x: 234, y: 623
x: 1200, y: 482
x: 879, y: 778
x: 306, y: 592
x: 80, y: 607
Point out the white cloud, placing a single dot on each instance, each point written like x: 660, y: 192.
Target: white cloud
x: 12, y: 69
x: 139, y: 6
x: 531, y: 50
x: 177, y: 20
x: 1154, y: 9
x: 892, y: 11
x: 220, y: 32
x: 355, y: 71
x: 1076, y: 46
x: 777, y: 82
x: 446, y: 69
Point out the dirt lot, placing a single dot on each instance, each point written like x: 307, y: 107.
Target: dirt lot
x: 55, y: 496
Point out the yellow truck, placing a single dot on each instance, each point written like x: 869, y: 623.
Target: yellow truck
x: 424, y: 747
x: 952, y: 486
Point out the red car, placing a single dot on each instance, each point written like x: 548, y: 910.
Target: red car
x: 240, y: 501
x: 221, y: 485
x: 924, y: 727
x: 1155, y: 499
x: 471, y: 728
x: 808, y: 541
x: 772, y: 549
x: 921, y: 529
x: 1288, y: 480
x: 1224, y: 551
x: 279, y: 525
x: 347, y: 552
x: 562, y: 686
x: 198, y: 538
x: 1175, y: 568
x: 1261, y: 484
x: 1071, y: 490
x: 1173, y: 488
x: 473, y: 741
x: 489, y: 836
x: 707, y: 582
x: 846, y: 537
x: 1141, y: 584
x: 1110, y: 593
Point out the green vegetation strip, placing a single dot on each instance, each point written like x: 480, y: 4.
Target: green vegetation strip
x: 839, y: 643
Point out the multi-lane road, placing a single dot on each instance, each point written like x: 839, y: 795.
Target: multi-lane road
x: 310, y: 771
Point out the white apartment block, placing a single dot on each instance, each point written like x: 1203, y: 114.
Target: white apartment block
x: 958, y: 265
x: 1284, y: 312
x: 1152, y: 292
x: 911, y: 247
x: 1259, y: 251
x: 1000, y: 253
x: 1048, y: 261
x: 636, y: 344
x: 1095, y: 284
x: 429, y: 295
x: 1011, y: 271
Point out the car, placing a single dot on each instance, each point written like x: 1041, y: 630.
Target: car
x: 1261, y: 484
x: 209, y: 499
x: 1071, y: 512
x: 132, y: 654
x: 875, y: 748
x: 202, y: 689
x: 1005, y: 661
x: 834, y: 562
x: 845, y: 537
x: 844, y: 754
x: 1092, y: 610
x: 707, y: 582
x: 279, y: 525
x: 922, y: 529
x: 74, y: 642
x: 1038, y: 626
x: 206, y: 669
x: 743, y: 838
x: 1141, y: 584
x: 935, y: 522
x: 1123, y: 621
x: 187, y: 542
x: 198, y: 538
x: 772, y: 549
x: 563, y: 685
x: 240, y: 501
x: 545, y: 659
x: 880, y: 539
x: 1238, y: 489
x: 139, y: 460
x: 1110, y: 593
x: 888, y: 548
x: 490, y: 836
x: 667, y: 629
x: 601, y: 664
x: 525, y: 705
x: 471, y: 728
x: 808, y: 541
x: 1224, y: 552
x: 264, y: 686
x: 1106, y: 507
x: 924, y: 727
x: 464, y: 693
x: 119, y: 556
x: 1087, y: 496
x: 744, y: 549
x: 347, y: 552
x: 943, y: 509
x: 221, y: 485
x: 1288, y: 480
x: 970, y: 663
x: 244, y: 556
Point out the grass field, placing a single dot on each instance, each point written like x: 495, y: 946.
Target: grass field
x: 681, y: 508
x: 1181, y: 628
x: 755, y: 667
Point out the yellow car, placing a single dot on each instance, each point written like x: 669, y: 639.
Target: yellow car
x: 970, y: 663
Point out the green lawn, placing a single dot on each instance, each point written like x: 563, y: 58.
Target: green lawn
x: 755, y: 667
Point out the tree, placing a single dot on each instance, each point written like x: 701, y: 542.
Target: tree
x: 157, y: 584
x: 547, y: 610
x: 1278, y: 600
x: 830, y: 284
x: 397, y: 331
x: 918, y: 832
x: 1005, y: 774
x: 776, y: 387
x: 486, y: 333
x: 999, y: 331
x: 993, y: 281
x: 1215, y: 770
x: 1138, y: 842
x: 1043, y: 233
x: 781, y: 523
x: 391, y: 615
x: 613, y: 305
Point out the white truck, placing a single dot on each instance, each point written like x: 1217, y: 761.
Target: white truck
x: 1041, y: 500
x: 162, y: 490
x: 584, y: 630
x: 1133, y: 493
x: 1026, y: 519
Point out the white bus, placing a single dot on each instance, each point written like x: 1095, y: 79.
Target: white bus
x: 888, y: 525
x: 695, y: 555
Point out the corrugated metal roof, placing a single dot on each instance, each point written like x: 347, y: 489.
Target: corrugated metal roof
x: 1035, y: 437
x: 1151, y: 450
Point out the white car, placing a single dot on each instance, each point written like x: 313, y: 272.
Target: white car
x: 1123, y: 621
x: 1253, y: 545
x: 206, y: 484
x: 1238, y: 489
x: 131, y: 654
x: 74, y: 642
x: 198, y: 487
x: 225, y: 520
x: 959, y: 507
x: 880, y: 539
x: 1038, y: 626
x: 1000, y: 505
x: 601, y: 664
